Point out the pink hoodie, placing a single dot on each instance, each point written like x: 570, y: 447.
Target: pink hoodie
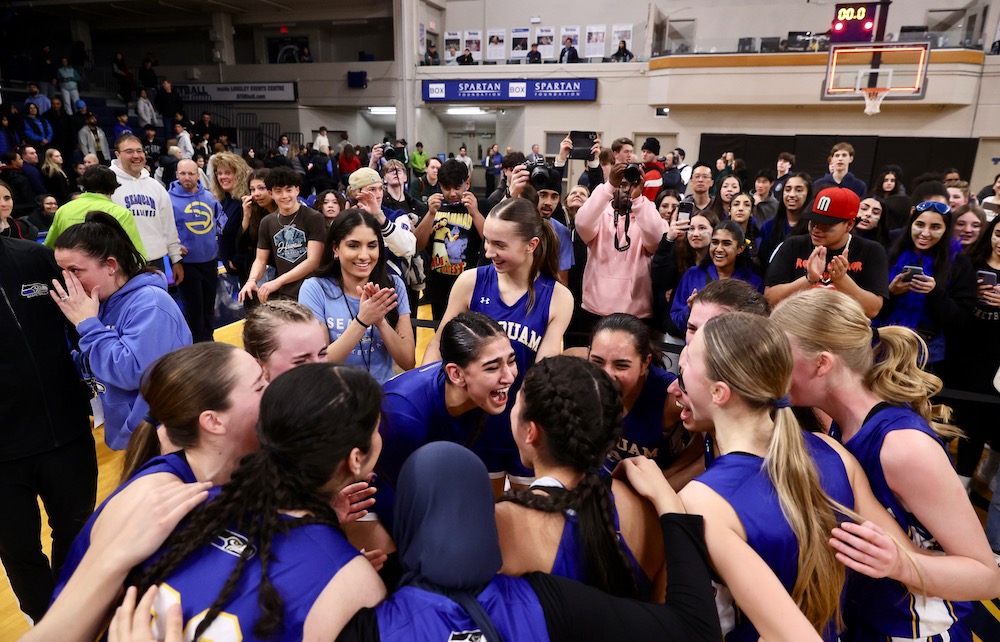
x: 616, y: 281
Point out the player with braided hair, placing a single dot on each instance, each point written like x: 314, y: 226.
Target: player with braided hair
x: 565, y: 420
x: 267, y: 556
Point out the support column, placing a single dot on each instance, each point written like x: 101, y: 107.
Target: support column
x: 221, y: 35
x: 405, y: 31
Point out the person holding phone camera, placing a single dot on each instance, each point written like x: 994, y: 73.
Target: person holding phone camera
x: 932, y: 284
x: 982, y: 339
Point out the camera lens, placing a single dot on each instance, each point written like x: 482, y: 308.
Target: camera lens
x: 632, y: 173
x: 388, y: 151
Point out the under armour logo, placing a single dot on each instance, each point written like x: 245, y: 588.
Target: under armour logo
x: 484, y: 300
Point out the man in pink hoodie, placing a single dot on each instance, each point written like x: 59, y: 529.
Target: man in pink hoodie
x: 621, y: 246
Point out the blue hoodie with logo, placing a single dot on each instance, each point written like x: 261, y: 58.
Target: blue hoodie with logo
x: 195, y: 216
x: 134, y: 327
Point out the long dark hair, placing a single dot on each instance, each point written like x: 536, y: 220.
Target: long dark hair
x: 684, y: 254
x: 578, y: 408
x: 257, y: 213
x: 178, y: 387
x: 311, y: 419
x: 642, y: 338
x: 881, y: 232
x: 781, y: 216
x: 981, y: 250
x: 877, y: 187
x: 100, y: 237
x: 530, y: 224
x: 743, y: 261
x: 941, y: 254
x: 330, y: 267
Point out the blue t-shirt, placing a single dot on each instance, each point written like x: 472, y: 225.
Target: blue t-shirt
x: 742, y: 480
x: 642, y: 427
x: 336, y: 311
x: 304, y: 561
x: 416, y: 615
x: 876, y: 609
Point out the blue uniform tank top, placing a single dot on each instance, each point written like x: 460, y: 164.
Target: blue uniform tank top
x: 876, y: 609
x: 305, y: 560
x: 741, y: 479
x: 525, y: 328
x: 416, y: 615
x: 642, y: 427
x: 174, y: 463
x: 571, y: 562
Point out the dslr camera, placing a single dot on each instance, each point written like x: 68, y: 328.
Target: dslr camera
x: 633, y: 173
x: 540, y: 174
x: 388, y: 151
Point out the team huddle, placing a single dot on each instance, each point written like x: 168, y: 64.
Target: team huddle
x: 543, y: 474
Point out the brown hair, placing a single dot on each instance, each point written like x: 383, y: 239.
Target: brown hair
x: 260, y: 330
x: 530, y: 224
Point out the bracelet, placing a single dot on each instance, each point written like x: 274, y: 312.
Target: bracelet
x: 362, y: 323
x: 810, y: 281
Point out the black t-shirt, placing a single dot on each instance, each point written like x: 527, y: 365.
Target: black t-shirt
x: 869, y: 267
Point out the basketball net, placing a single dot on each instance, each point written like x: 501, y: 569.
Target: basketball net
x: 873, y: 99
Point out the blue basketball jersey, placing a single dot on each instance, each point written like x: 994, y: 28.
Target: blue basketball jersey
x: 571, y: 562
x: 305, y: 560
x: 741, y: 479
x: 876, y: 609
x: 642, y: 427
x: 174, y: 464
x: 525, y: 328
x: 415, y: 615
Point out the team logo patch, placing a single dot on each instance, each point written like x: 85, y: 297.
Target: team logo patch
x: 467, y: 636
x: 233, y: 543
x: 32, y: 290
x: 822, y: 204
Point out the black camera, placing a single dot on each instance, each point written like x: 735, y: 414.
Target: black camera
x: 388, y: 151
x: 633, y: 173
x: 540, y: 174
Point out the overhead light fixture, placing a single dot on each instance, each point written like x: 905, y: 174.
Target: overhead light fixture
x: 465, y: 111
x: 382, y: 111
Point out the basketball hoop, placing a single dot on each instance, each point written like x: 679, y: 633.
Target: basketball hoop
x: 873, y: 99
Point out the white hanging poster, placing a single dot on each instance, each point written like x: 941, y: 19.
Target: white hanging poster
x: 619, y: 33
x: 474, y: 43
x: 595, y: 41
x: 573, y: 33
x: 496, y: 48
x: 452, y: 45
x: 519, y: 42
x: 545, y: 37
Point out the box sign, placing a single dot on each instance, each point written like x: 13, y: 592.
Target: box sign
x: 554, y: 89
x: 278, y: 92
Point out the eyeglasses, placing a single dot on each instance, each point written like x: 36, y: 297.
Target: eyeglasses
x: 131, y: 152
x: 940, y: 208
x: 680, y: 381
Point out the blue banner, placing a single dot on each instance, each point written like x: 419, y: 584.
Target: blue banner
x: 554, y: 89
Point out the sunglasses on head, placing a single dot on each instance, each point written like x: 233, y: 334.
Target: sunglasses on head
x: 940, y: 208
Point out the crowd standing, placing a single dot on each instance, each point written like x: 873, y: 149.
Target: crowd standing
x: 814, y: 520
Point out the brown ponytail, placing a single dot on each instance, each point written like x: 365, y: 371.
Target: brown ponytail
x: 530, y: 224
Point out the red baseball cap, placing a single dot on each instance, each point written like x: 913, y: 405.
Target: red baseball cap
x: 834, y: 205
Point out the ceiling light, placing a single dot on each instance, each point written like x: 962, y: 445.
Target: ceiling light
x: 382, y: 111
x: 465, y: 111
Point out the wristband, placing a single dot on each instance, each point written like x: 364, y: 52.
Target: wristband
x: 810, y: 281
x: 362, y: 323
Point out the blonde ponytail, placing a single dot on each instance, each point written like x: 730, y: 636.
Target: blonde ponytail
x: 830, y: 321
x: 753, y: 356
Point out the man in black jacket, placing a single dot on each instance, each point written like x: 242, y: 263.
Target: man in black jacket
x: 12, y: 173
x: 47, y: 449
x: 568, y: 53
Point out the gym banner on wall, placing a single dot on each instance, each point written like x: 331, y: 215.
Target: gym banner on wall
x: 276, y: 92
x: 548, y: 89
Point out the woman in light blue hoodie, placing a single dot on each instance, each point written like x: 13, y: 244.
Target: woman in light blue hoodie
x: 123, y: 313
